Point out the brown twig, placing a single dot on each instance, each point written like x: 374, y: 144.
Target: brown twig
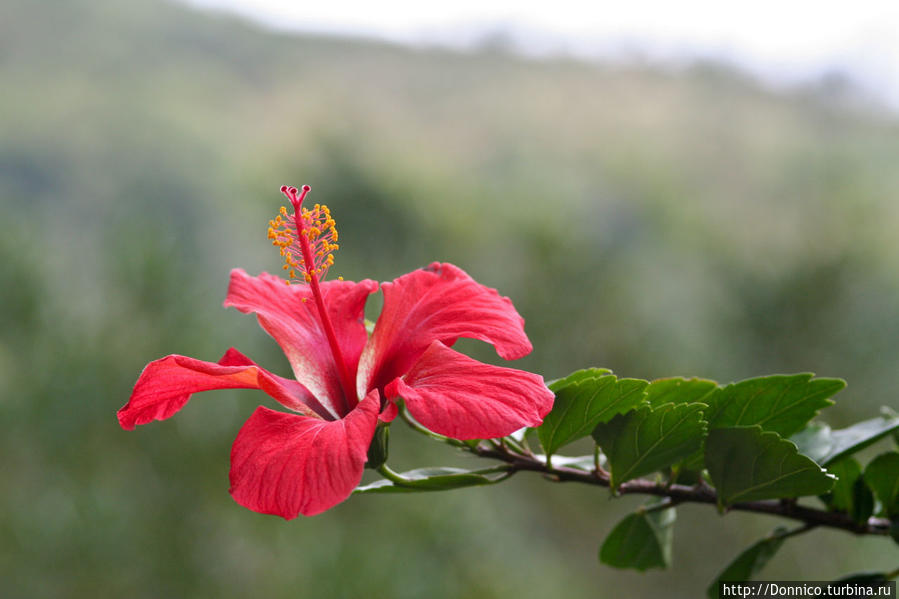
x: 812, y: 517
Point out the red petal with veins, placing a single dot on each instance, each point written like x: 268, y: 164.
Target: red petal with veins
x: 295, y: 325
x: 165, y: 385
x: 456, y: 396
x: 438, y: 303
x: 285, y: 464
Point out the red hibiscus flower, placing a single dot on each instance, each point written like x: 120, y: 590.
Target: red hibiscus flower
x: 311, y: 458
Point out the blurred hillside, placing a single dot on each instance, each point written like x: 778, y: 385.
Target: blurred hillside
x: 652, y: 222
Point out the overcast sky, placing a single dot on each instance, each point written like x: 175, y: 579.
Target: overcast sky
x: 785, y: 41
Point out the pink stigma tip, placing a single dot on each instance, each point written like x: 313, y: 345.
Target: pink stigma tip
x: 291, y: 193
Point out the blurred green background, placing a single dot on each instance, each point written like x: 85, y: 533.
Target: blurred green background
x: 655, y: 222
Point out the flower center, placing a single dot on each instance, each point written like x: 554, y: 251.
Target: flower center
x: 306, y: 240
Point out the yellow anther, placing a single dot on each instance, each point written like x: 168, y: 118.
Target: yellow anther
x: 316, y: 238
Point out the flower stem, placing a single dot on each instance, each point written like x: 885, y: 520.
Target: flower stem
x: 597, y: 464
x: 404, y: 414
x: 515, y: 445
x: 392, y: 476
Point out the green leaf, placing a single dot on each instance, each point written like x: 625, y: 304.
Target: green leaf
x: 641, y: 541
x: 882, y: 475
x: 582, y: 404
x: 779, y: 403
x: 649, y: 439
x: 576, y: 377
x: 826, y: 446
x: 814, y: 441
x: 678, y: 390
x: 850, y: 494
x: 841, y: 496
x: 750, y: 561
x: 748, y: 464
x: 429, y: 479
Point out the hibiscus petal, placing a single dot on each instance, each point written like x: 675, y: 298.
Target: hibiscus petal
x: 285, y: 464
x: 456, y: 396
x: 437, y: 303
x: 165, y: 385
x: 288, y: 392
x: 295, y: 326
x: 388, y: 412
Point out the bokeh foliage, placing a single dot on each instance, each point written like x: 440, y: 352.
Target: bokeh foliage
x: 141, y: 147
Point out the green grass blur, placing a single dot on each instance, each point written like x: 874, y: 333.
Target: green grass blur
x: 653, y: 222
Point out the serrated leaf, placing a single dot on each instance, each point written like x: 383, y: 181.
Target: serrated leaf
x: 746, y: 565
x: 827, y: 446
x: 584, y: 403
x: 678, y: 390
x: 428, y: 479
x: 576, y: 377
x: 640, y: 541
x: 746, y: 463
x: 649, y: 439
x: 779, y: 403
x: 882, y: 475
